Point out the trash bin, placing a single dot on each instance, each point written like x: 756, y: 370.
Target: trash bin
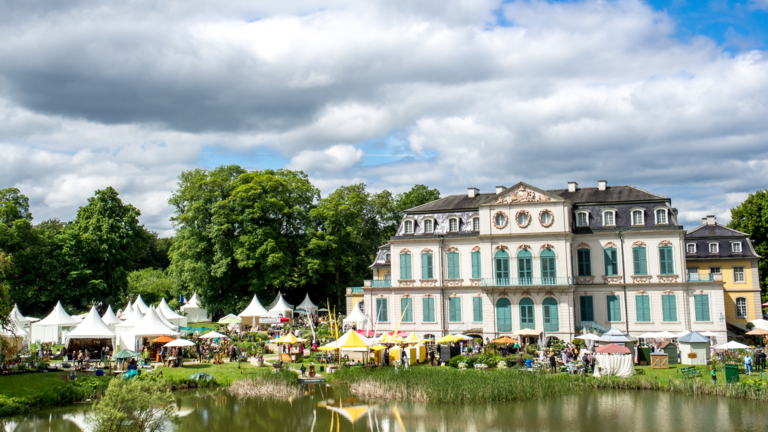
x: 731, y: 373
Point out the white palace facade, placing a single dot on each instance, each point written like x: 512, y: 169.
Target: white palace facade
x: 554, y: 261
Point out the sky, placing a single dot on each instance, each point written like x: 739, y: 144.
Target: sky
x: 668, y: 95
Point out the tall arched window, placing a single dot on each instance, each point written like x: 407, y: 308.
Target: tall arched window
x: 502, y: 267
x: 527, y: 320
x: 525, y: 267
x: 503, y: 315
x: 548, y: 272
x: 551, y: 322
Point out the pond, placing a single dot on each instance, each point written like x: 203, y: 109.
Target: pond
x: 609, y: 411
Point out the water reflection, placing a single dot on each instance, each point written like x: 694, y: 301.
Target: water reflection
x: 324, y: 409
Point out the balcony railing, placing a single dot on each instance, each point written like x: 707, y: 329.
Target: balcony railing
x: 534, y: 281
x: 701, y: 277
x: 357, y: 290
x: 381, y: 284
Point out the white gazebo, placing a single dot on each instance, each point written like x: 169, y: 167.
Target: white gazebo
x: 52, y: 327
x: 307, y: 305
x: 130, y: 322
x: 356, y: 317
x: 150, y: 326
x: 139, y: 303
x: 254, y: 310
x: 110, y: 319
x: 128, y: 311
x: 170, y: 315
x: 92, y: 328
x: 195, y: 311
x: 694, y: 349
x: 281, y: 307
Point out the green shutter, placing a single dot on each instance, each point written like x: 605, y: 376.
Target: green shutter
x: 666, y: 265
x: 476, y: 273
x: 477, y: 309
x: 454, y: 309
x: 381, y: 307
x: 426, y: 266
x: 614, y: 308
x: 669, y: 307
x: 551, y: 319
x: 428, y: 304
x: 405, y: 266
x: 643, y: 306
x: 527, y: 319
x: 585, y: 262
x: 701, y: 301
x: 587, y: 312
x: 640, y: 261
x: 611, y: 266
x: 502, y: 267
x: 406, y: 305
x: 453, y: 266
x: 503, y: 315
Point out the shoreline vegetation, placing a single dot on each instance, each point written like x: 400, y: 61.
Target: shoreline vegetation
x: 283, y: 385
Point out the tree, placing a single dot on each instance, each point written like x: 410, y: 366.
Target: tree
x: 418, y: 195
x: 134, y: 405
x: 751, y: 217
x: 102, y: 243
x: 13, y: 206
x: 157, y: 256
x: 153, y: 285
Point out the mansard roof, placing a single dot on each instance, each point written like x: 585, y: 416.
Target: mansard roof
x: 452, y: 202
x: 716, y: 230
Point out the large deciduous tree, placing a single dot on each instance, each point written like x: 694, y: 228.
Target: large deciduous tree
x: 751, y: 217
x: 13, y: 206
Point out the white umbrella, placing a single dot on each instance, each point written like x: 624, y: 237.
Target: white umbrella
x: 589, y: 336
x: 465, y: 337
x: 649, y: 335
x: 708, y: 333
x: 212, y: 335
x: 732, y: 345
x: 667, y: 335
x: 180, y: 343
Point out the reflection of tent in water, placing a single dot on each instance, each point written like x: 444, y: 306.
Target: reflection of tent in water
x: 351, y: 412
x: 79, y: 420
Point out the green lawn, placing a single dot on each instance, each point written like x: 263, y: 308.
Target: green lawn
x: 28, y: 384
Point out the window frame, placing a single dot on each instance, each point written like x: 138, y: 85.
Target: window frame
x: 644, y: 303
x: 639, y: 261
x: 716, y: 245
x: 429, y: 266
x: 667, y: 268
x: 642, y: 216
x: 530, y: 315
x: 475, y: 222
x: 584, y: 213
x: 614, y: 261
x: 408, y: 227
x: 379, y: 310
x: 586, y: 307
x: 745, y: 307
x: 428, y: 312
x: 687, y: 245
x: 698, y: 300
x: 475, y: 309
x: 656, y: 215
x: 612, y: 310
x: 451, y: 222
x: 613, y: 217
x: 546, y: 312
x: 431, y: 223
x: 408, y: 317
x: 733, y: 247
x: 477, y: 265
x: 504, y: 258
x: 409, y: 266
x: 743, y: 274
x: 666, y: 309
x: 452, y: 311
x: 454, y: 266
x: 582, y: 264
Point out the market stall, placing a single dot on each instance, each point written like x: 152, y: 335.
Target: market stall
x: 614, y: 360
x: 195, y: 311
x: 307, y: 305
x: 252, y: 313
x: 92, y: 334
x: 281, y: 307
x: 356, y: 317
x: 149, y: 328
x: 170, y: 315
x: 54, y: 327
x: 694, y: 349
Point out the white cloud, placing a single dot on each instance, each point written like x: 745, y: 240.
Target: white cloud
x: 334, y: 159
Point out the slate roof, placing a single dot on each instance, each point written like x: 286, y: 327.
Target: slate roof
x: 705, y: 234
x: 716, y: 230
x: 453, y: 202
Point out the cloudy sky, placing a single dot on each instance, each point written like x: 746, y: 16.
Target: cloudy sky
x: 668, y: 95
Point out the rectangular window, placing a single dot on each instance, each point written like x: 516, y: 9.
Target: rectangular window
x: 453, y: 225
x: 701, y: 303
x: 741, y: 307
x: 587, y: 313
x: 581, y: 219
x: 477, y: 309
x: 428, y: 226
x: 714, y: 248
x: 736, y: 247
x: 381, y: 310
x: 585, y: 262
x: 609, y: 219
x: 405, y: 266
x: 643, y: 305
x: 428, y: 306
x: 690, y: 248
x: 476, y: 270
x: 611, y: 264
x: 454, y: 309
x: 475, y: 224
x: 666, y: 266
x: 715, y: 270
x: 738, y: 274
x: 640, y: 262
x: 427, y: 271
x: 669, y: 307
x: 637, y: 217
x: 406, y: 305
x: 614, y: 308
x: 453, y: 266
x: 409, y: 227
x: 661, y: 216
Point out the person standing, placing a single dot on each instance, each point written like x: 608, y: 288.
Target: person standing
x: 748, y: 364
x: 714, y: 376
x: 552, y: 362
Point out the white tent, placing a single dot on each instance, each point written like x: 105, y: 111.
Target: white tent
x: 225, y: 319
x: 619, y: 337
x: 139, y: 303
x: 253, y: 311
x: 356, y: 317
x: 760, y: 323
x: 110, y: 319
x: 131, y: 321
x: 164, y: 319
x: 195, y: 311
x: 19, y: 318
x: 92, y: 327
x: 732, y: 345
x: 281, y: 307
x: 307, y: 305
x: 150, y: 326
x: 53, y: 326
x: 128, y: 311
x: 170, y: 315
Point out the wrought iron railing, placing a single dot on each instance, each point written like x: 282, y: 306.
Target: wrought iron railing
x: 357, y: 290
x: 701, y: 277
x: 381, y: 283
x: 535, y: 281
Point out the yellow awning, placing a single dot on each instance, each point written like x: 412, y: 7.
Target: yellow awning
x: 378, y: 347
x: 289, y: 338
x: 353, y: 340
x: 449, y: 338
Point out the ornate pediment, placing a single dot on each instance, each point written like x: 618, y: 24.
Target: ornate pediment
x: 522, y: 195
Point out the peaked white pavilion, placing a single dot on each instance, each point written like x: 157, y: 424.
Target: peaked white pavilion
x: 51, y: 328
x: 151, y: 326
x: 92, y: 327
x: 139, y: 303
x: 170, y: 315
x: 164, y: 319
x: 356, y: 317
x: 195, y: 311
x: 128, y: 311
x: 281, y: 307
x: 110, y: 319
x: 254, y: 310
x: 131, y: 321
x: 307, y: 305
x: 16, y: 315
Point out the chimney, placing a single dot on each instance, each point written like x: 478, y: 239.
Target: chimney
x: 572, y: 186
x: 709, y: 220
x: 601, y: 185
x: 471, y: 192
x: 500, y: 189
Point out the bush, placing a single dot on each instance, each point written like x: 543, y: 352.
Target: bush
x: 579, y: 343
x: 454, y: 361
x: 132, y: 405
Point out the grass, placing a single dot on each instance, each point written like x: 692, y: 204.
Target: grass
x: 224, y: 374
x: 28, y: 384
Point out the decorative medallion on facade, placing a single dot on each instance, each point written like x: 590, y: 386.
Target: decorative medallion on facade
x: 641, y: 279
x: 523, y: 218
x: 668, y: 292
x: 475, y: 282
x: 667, y: 278
x: 665, y: 243
x: 609, y: 245
x: 638, y: 244
x: 404, y: 251
x: 453, y: 249
x: 642, y: 292
x: 500, y: 220
x: 547, y: 246
x: 583, y: 245
x: 546, y: 218
x: 524, y: 247
x: 476, y: 249
x: 526, y: 294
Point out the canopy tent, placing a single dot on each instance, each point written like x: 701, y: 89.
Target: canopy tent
x: 612, y: 349
x: 14, y: 335
x: 276, y: 300
x: 230, y: 319
x: 413, y: 339
x: 130, y: 322
x: 52, y: 327
x: 760, y: 323
x: 170, y: 315
x: 349, y: 341
x: 110, y: 319
x: 281, y: 307
x: 212, y: 335
x: 307, y: 305
x: 368, y: 333
x: 127, y: 312
x: 150, y: 326
x: 92, y: 327
x: 757, y: 332
x: 465, y: 337
x: 289, y: 339
x: 16, y: 315
x: 449, y: 338
x: 163, y: 340
x: 589, y: 336
x: 356, y: 317
x: 527, y: 332
x: 180, y: 343
x: 195, y: 311
x: 139, y: 303
x: 732, y: 345
x: 610, y: 364
x: 505, y: 340
x: 125, y: 354
x: 616, y: 335
x: 164, y: 319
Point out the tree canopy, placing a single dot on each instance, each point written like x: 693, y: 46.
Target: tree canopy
x: 751, y: 217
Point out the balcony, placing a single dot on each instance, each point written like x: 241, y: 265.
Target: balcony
x: 357, y: 290
x: 536, y: 281
x: 705, y: 277
x: 384, y: 283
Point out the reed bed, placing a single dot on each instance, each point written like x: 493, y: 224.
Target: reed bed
x: 276, y: 386
x: 370, y: 389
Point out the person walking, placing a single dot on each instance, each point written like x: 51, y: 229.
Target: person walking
x: 748, y: 364
x: 714, y: 376
x: 405, y: 359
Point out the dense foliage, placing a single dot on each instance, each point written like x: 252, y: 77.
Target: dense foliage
x: 751, y: 217
x: 132, y: 405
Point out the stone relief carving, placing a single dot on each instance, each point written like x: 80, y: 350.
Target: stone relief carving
x: 609, y: 245
x: 583, y: 245
x: 611, y: 279
x: 475, y: 282
x: 405, y: 283
x: 524, y: 247
x: 428, y: 282
x: 453, y: 249
x: 502, y: 248
x: 426, y: 251
x: 641, y: 279
x: 547, y: 246
x: 551, y: 218
x: 506, y: 220
x: 585, y: 280
x: 522, y: 195
x: 476, y: 249
x: 638, y: 244
x: 527, y: 219
x: 667, y: 278
x: 665, y: 243
x: 454, y: 282
x: 404, y: 251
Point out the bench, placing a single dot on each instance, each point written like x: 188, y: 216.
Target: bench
x: 690, y: 372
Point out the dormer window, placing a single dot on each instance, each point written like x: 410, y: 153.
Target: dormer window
x: 453, y: 225
x: 714, y: 248
x: 661, y: 216
x: 582, y: 219
x: 637, y: 217
x: 690, y: 248
x: 476, y: 224
x: 408, y: 227
x: 428, y: 227
x: 736, y: 247
x: 609, y: 218
x: 389, y: 257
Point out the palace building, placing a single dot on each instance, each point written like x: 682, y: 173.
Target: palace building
x: 551, y: 261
